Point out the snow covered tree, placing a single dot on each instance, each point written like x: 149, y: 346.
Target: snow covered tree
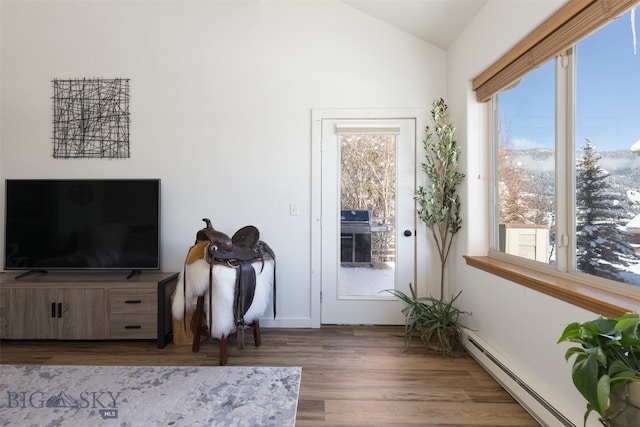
x: 512, y: 181
x: 523, y: 197
x: 600, y: 249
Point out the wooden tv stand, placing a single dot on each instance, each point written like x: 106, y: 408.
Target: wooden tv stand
x: 87, y: 306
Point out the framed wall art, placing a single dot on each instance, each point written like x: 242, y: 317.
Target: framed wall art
x: 91, y: 118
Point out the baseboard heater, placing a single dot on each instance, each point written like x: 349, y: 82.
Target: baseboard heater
x: 543, y: 411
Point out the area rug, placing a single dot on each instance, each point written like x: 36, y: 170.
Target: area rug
x: 148, y: 396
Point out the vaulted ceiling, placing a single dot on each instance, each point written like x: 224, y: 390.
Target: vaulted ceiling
x: 438, y: 22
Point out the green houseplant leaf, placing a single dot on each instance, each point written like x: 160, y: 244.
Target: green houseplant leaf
x: 606, y: 359
x: 416, y: 312
x: 431, y: 318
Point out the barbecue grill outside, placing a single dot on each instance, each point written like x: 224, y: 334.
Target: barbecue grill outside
x: 355, y: 236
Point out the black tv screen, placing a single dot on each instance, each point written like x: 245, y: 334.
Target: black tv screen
x: 96, y: 224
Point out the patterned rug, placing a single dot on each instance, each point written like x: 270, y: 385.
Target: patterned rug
x: 37, y: 395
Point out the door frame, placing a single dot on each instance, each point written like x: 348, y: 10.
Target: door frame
x: 317, y: 116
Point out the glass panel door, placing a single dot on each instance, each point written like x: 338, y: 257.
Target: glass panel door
x: 367, y: 214
x: 368, y: 218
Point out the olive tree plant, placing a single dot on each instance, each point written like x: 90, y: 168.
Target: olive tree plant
x: 439, y: 205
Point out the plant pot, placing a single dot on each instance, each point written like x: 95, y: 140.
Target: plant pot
x: 624, y: 402
x: 434, y: 342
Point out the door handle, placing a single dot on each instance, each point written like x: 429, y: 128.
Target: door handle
x: 407, y: 233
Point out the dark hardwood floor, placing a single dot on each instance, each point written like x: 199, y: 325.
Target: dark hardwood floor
x: 351, y: 376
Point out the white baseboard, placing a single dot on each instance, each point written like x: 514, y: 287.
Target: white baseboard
x: 286, y: 322
x: 514, y: 382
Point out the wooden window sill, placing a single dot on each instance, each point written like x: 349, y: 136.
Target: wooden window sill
x: 597, y: 300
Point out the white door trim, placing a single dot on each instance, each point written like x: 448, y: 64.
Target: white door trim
x: 317, y: 116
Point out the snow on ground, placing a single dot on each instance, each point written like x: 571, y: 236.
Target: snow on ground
x: 365, y: 280
x: 632, y: 274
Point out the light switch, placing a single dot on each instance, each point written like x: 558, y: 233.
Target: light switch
x: 294, y: 209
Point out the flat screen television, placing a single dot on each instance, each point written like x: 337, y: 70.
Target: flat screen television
x: 82, y: 224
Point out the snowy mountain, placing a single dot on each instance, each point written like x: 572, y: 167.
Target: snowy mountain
x: 623, y: 167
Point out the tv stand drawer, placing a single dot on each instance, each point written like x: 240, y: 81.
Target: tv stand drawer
x: 133, y: 326
x: 133, y: 301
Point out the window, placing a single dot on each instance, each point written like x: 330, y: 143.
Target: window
x: 567, y: 161
x: 525, y: 162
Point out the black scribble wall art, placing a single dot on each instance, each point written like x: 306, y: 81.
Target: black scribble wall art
x: 91, y: 118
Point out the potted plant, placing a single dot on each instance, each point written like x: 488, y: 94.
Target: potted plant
x: 434, y: 320
x: 439, y: 205
x: 606, y: 368
x: 416, y: 313
x: 443, y: 331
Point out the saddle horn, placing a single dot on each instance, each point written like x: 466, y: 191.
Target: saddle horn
x: 217, y: 239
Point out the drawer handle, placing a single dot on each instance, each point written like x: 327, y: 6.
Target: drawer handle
x: 133, y: 327
x: 53, y: 310
x: 133, y: 301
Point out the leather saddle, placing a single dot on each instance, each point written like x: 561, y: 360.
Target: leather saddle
x: 239, y: 251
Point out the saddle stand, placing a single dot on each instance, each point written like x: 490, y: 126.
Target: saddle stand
x: 203, y: 331
x: 240, y: 252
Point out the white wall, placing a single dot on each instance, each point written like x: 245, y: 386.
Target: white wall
x: 215, y: 83
x: 221, y: 98
x: 521, y: 324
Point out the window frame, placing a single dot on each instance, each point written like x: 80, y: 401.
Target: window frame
x: 573, y: 22
x: 561, y: 281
